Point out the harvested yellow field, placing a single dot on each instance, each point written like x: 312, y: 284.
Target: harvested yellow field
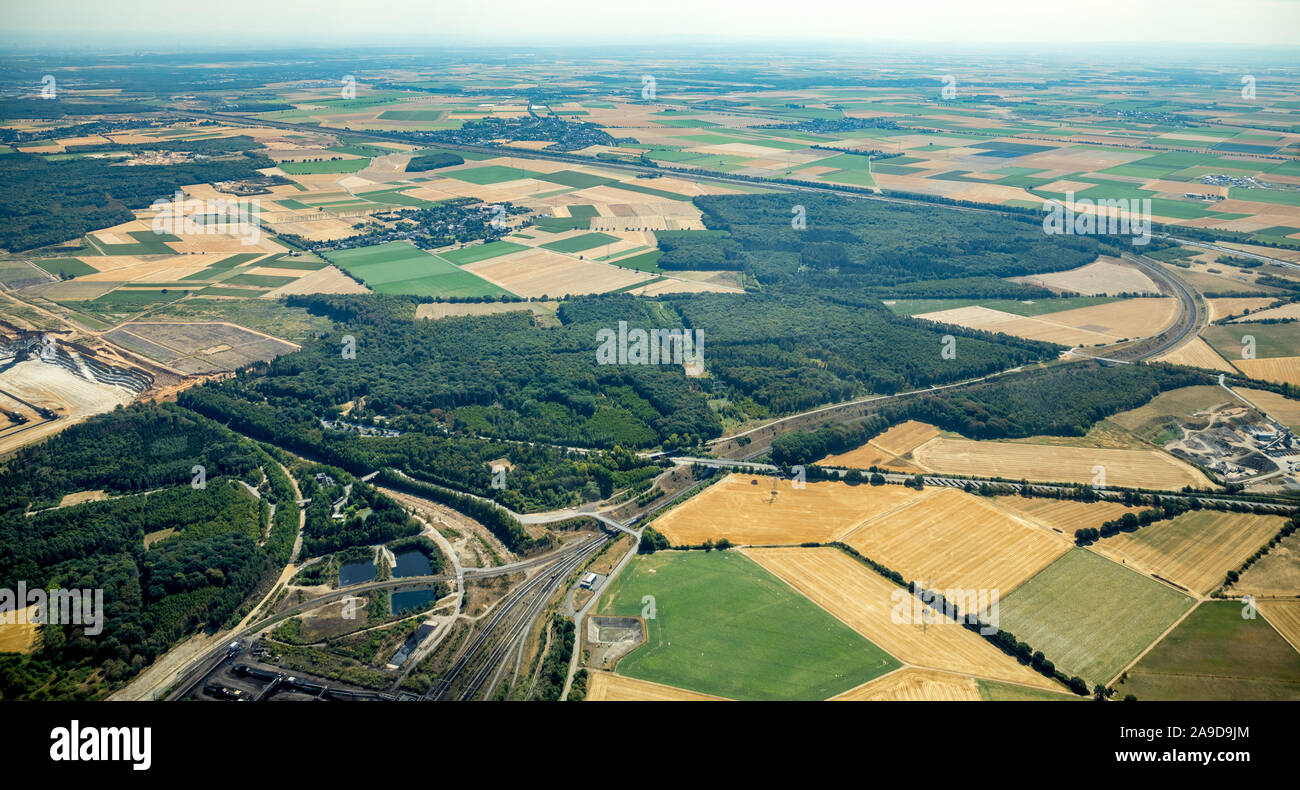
x: 867, y: 456
x: 1064, y: 515
x: 1198, y: 354
x: 905, y: 437
x: 742, y: 509
x: 953, y: 539
x: 1276, y: 574
x: 886, y: 614
x: 1127, y: 318
x: 672, y: 285
x: 1057, y: 464
x: 1106, y: 276
x: 19, y: 637
x: 1236, y: 305
x: 915, y: 685
x: 436, y: 310
x: 330, y: 280
x: 82, y: 496
x: 1285, y: 617
x: 1037, y: 328
x: 544, y: 273
x: 1283, y: 409
x: 1194, y: 550
x: 1283, y: 370
x: 885, y: 449
x: 608, y: 687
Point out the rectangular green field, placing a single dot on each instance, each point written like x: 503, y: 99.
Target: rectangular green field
x: 643, y: 262
x: 327, y: 166
x: 1217, y: 654
x: 481, y: 252
x: 289, y: 263
x: 1271, y: 340
x: 586, y: 241
x: 146, y: 243
x: 492, y: 174
x: 722, y: 625
x: 61, y: 266
x: 259, y: 280
x: 1276, y: 196
x: 402, y: 268
x: 630, y: 186
x: 1089, y: 615
x: 217, y: 290
x: 574, y: 178
x: 856, y: 177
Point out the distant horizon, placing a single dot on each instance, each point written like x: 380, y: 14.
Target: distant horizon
x: 136, y: 44
x: 329, y: 23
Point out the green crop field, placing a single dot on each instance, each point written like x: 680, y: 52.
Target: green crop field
x: 644, y: 262
x: 1217, y: 654
x: 303, y: 264
x: 260, y: 280
x: 327, y: 166
x: 146, y: 243
x: 1089, y: 615
x: 586, y: 241
x: 725, y: 626
x: 401, y: 268
x: 61, y: 266
x: 481, y: 252
x: 1271, y: 340
x: 490, y: 174
x: 1265, y: 196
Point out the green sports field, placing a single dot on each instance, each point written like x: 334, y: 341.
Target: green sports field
x: 725, y: 626
x: 1089, y: 615
x: 1217, y: 654
x: 402, y: 268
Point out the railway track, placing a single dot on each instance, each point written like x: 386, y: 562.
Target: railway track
x: 517, y: 632
x: 505, y: 613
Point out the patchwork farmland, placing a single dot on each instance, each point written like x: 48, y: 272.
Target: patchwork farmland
x: 1216, y: 654
x: 724, y: 626
x: 1194, y: 550
x: 1062, y: 464
x: 950, y: 539
x: 1091, y: 615
x: 871, y: 605
x: 402, y: 268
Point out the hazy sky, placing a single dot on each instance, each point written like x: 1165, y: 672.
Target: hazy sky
x: 449, y: 22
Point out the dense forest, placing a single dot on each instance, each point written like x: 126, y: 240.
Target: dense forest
x: 206, y: 555
x: 878, y: 246
x: 367, y: 516
x: 44, y: 202
x: 457, y: 393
